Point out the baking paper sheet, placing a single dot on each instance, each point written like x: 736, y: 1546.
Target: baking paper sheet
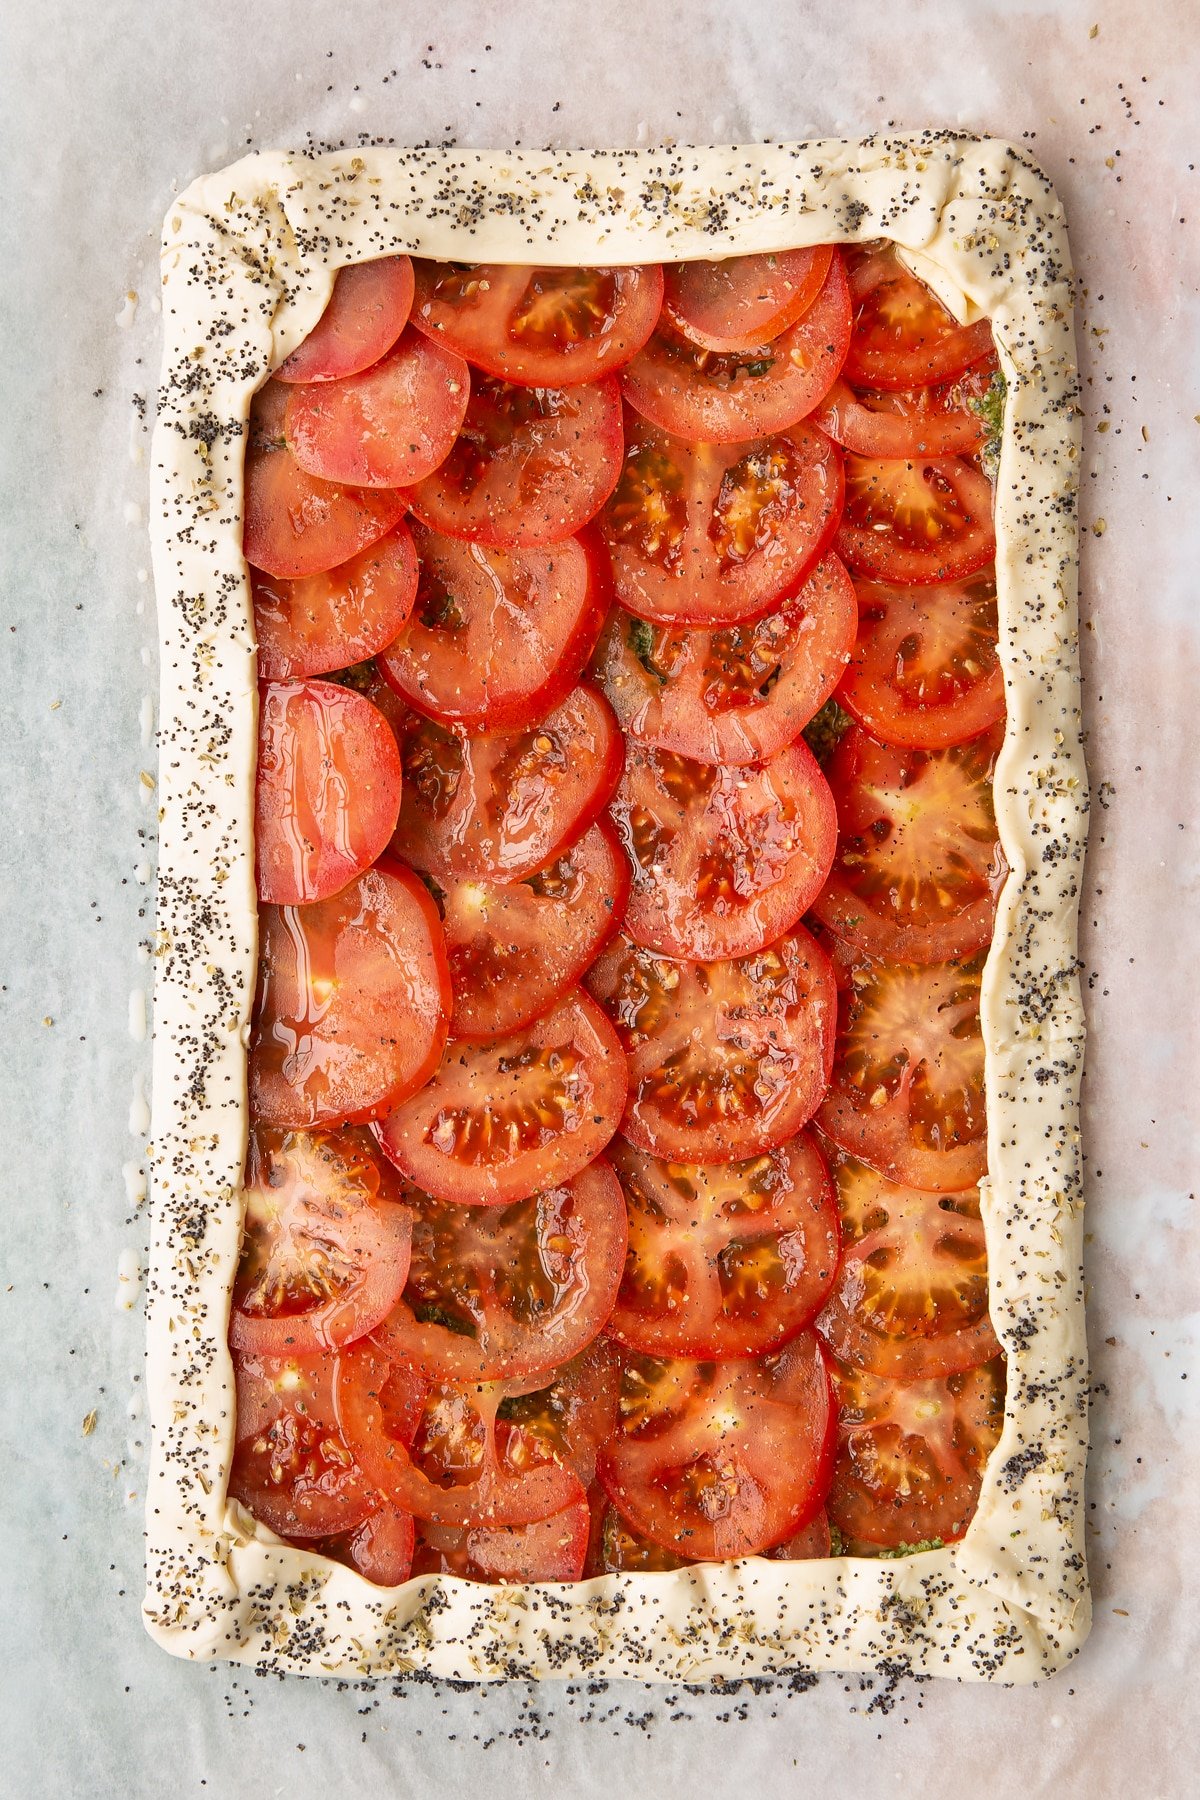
x: 106, y: 106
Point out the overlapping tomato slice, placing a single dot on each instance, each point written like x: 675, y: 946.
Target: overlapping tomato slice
x: 387, y: 427
x: 941, y: 420
x: 916, y: 519
x: 367, y: 311
x: 903, y: 337
x: 323, y: 622
x: 743, y: 302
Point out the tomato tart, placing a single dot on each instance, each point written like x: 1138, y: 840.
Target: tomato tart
x: 615, y: 1147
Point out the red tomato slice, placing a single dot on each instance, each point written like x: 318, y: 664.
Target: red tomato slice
x: 911, y: 1299
x: 530, y: 466
x: 919, y: 520
x: 547, y: 1550
x: 502, y: 807
x: 502, y: 1120
x: 737, y: 695
x: 499, y: 637
x: 726, y: 1059
x: 329, y: 621
x: 569, y: 1419
x: 711, y: 534
x: 327, y: 795
x: 718, y: 1460
x: 907, y: 1094
x: 295, y: 524
x: 919, y: 867
x: 516, y: 947
x: 455, y: 1468
x: 325, y: 1247
x: 381, y: 1548
x: 743, y: 302
x: 500, y: 1292
x: 389, y: 426
x: 729, y: 1260
x: 925, y: 421
x: 724, y: 860
x: 903, y: 336
x: 539, y: 327
x: 353, y: 1005
x: 911, y: 1454
x: 367, y: 311
x: 292, y: 1467
x: 925, y: 671
x: 711, y: 397
x: 812, y: 1542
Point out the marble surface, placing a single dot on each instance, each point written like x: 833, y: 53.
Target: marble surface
x: 112, y: 104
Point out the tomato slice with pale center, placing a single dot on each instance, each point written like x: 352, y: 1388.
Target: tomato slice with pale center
x: 715, y: 397
x: 728, y: 1259
x: 726, y: 1059
x: 907, y: 1094
x: 498, y: 637
x: 911, y: 1298
x: 501, y: 1120
x: 735, y: 695
x: 925, y: 671
x: 367, y: 311
x: 552, y: 1549
x: 353, y: 1004
x: 325, y: 1244
x: 319, y: 623
x: 503, y: 806
x: 496, y: 1292
x: 743, y: 302
x: 911, y: 1454
x: 530, y: 466
x: 903, y: 336
x: 919, y: 868
x: 539, y: 327
x: 711, y: 534
x: 327, y: 795
x: 721, y: 1459
x: 292, y: 1467
x: 724, y: 859
x: 916, y: 519
x: 295, y: 524
x: 387, y: 427
x: 516, y: 947
x: 942, y: 420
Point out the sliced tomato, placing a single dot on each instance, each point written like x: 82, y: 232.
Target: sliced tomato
x: 454, y: 1466
x: 516, y: 947
x: 711, y: 534
x: 942, y: 420
x: 925, y: 671
x: 324, y: 622
x: 550, y: 1549
x: 569, y: 1419
x: 367, y: 311
x: 911, y: 1454
x: 735, y: 695
x: 327, y: 794
x: 502, y: 1120
x: 732, y: 1259
x: 726, y: 1059
x: 539, y: 327
x: 292, y: 1467
x: 919, y: 867
x: 903, y: 336
x: 530, y: 466
x: 812, y: 1542
x: 353, y: 1003
x: 295, y: 524
x: 389, y: 426
x: 743, y: 302
x: 907, y: 1094
x: 499, y: 637
x: 497, y: 1292
x: 503, y: 806
x: 325, y: 1246
x: 719, y: 1460
x: 916, y: 519
x: 714, y: 397
x: 724, y: 860
x: 381, y: 1548
x: 617, y: 1548
x: 911, y: 1298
